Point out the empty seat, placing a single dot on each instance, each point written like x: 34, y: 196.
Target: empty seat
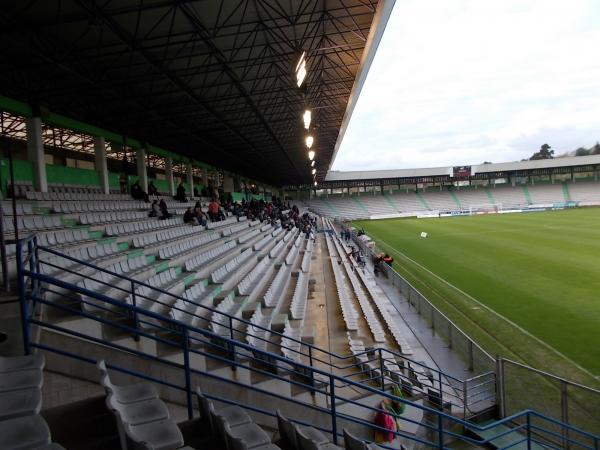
x: 23, y: 402
x: 13, y: 363
x: 234, y: 415
x: 289, y: 432
x: 127, y: 394
x: 24, y: 433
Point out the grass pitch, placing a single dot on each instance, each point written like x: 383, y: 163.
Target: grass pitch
x: 541, y: 271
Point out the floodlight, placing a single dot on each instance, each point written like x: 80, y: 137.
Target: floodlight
x: 309, y: 141
x: 306, y: 117
x: 314, y: 171
x: 315, y: 183
x: 301, y: 70
x: 311, y: 155
x: 312, y: 164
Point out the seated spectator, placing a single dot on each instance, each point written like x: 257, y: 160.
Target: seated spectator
x: 180, y: 195
x: 199, y: 215
x: 162, y: 205
x: 388, y: 260
x: 154, y: 209
x: 138, y: 193
x: 188, y: 217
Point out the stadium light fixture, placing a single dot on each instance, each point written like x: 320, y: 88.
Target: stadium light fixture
x: 309, y: 141
x: 311, y: 155
x: 301, y: 70
x: 306, y: 117
x: 312, y: 164
x: 315, y: 183
x: 314, y: 171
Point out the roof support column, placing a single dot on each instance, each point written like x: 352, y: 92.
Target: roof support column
x: 140, y: 159
x: 205, y: 177
x: 100, y: 163
x: 190, y: 178
x: 228, y: 184
x: 35, y: 153
x: 169, y: 175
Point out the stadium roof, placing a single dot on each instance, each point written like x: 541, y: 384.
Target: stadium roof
x: 572, y: 161
x: 212, y: 80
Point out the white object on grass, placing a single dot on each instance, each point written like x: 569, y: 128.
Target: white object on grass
x: 423, y: 234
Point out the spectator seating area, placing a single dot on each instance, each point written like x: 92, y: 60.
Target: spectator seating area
x: 367, y: 205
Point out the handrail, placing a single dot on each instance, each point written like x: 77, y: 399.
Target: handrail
x: 554, y: 377
x: 224, y: 342
x: 239, y: 319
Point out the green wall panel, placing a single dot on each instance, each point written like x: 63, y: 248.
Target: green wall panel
x: 72, y: 175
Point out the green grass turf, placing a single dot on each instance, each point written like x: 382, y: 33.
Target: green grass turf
x: 541, y: 271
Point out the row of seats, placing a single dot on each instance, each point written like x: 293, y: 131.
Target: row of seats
x: 143, y: 226
x: 21, y: 425
x: 71, y: 207
x: 158, y: 239
x: 72, y: 196
x: 349, y: 313
x: 32, y: 223
x: 106, y: 217
x: 21, y: 208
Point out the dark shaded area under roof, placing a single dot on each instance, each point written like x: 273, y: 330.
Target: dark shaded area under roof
x: 212, y: 80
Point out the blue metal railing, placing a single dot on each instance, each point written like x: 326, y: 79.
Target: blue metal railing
x: 189, y: 340
x: 457, y: 392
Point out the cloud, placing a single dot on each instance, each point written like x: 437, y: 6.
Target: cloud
x: 468, y: 81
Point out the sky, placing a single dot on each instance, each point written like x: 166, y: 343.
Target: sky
x: 458, y: 82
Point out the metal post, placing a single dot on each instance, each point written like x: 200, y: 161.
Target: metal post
x: 470, y: 354
x: 564, y: 406
x: 465, y: 400
x: 312, y: 372
x: 441, y: 397
x: 232, y: 352
x: 528, y: 431
x: 3, y: 252
x: 333, y: 412
x: 449, y: 335
x: 500, y: 386
x: 23, y: 299
x: 188, y: 380
x: 381, y: 369
x: 12, y: 183
x: 135, y: 314
x: 440, y: 431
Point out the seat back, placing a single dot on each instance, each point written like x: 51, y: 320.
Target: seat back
x: 286, y: 429
x: 351, y: 442
x: 304, y: 442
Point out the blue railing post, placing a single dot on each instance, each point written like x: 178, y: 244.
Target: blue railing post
x: 528, y: 416
x: 188, y: 378
x: 312, y: 373
x: 381, y: 369
x: 441, y: 395
x: 333, y: 412
x: 31, y: 262
x: 232, y: 351
x: 23, y: 299
x: 135, y: 314
x: 440, y: 431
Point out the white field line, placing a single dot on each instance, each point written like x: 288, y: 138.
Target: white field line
x: 500, y: 316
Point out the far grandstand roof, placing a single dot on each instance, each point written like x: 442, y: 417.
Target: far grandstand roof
x: 572, y: 161
x: 212, y: 80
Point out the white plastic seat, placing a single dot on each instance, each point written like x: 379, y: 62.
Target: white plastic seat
x: 23, y: 402
x: 126, y: 394
x: 163, y: 435
x: 22, y: 433
x: 17, y: 363
x: 139, y: 413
